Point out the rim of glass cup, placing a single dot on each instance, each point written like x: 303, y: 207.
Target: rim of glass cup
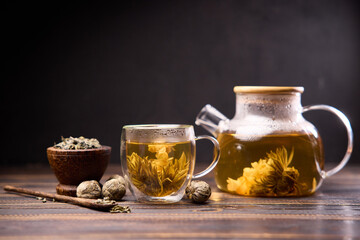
x: 156, y: 126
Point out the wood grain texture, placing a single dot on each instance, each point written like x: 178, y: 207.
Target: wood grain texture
x: 332, y: 213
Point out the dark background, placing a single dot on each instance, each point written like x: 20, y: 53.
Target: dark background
x: 88, y: 69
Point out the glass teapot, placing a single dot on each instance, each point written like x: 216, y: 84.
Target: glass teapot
x: 268, y: 149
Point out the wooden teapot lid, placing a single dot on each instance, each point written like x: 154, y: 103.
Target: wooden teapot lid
x: 268, y: 89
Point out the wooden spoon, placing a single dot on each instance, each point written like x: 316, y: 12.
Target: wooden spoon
x: 88, y: 203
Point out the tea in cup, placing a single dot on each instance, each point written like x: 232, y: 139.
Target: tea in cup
x: 158, y: 160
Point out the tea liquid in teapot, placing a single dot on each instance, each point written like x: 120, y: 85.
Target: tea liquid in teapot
x: 271, y: 165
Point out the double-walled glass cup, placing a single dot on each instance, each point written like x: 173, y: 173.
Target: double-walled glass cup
x: 158, y: 160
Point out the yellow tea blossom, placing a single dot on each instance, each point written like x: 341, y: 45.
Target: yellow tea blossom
x: 162, y: 157
x: 271, y: 176
x: 314, y: 185
x: 160, y: 176
x: 250, y: 175
x: 155, y: 148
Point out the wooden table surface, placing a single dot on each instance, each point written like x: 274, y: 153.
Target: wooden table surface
x: 332, y: 213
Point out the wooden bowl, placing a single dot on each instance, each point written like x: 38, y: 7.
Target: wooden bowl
x: 71, y: 167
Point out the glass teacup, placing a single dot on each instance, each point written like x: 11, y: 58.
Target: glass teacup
x: 158, y: 160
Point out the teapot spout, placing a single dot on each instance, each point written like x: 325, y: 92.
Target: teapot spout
x: 210, y: 119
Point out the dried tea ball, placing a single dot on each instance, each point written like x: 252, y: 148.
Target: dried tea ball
x: 89, y: 189
x: 118, y: 177
x: 113, y: 189
x: 198, y: 191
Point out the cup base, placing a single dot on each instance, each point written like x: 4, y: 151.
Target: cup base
x: 160, y: 200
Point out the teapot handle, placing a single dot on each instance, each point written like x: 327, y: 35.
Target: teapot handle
x: 347, y: 124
